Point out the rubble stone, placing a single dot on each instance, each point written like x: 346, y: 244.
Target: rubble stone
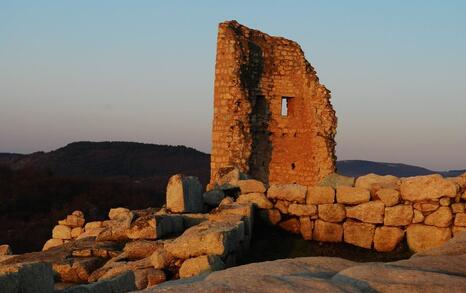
x: 388, y: 196
x: 442, y: 217
x: 251, y: 186
x: 289, y: 192
x: 302, y: 209
x: 61, y: 232
x: 258, y: 199
x: 423, y: 237
x: 201, y: 264
x: 387, y: 238
x: 429, y: 187
x: 306, y: 225
x: 320, y: 195
x: 291, y: 225
x: 460, y: 219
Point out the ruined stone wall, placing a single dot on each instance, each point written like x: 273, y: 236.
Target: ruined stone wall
x: 254, y: 72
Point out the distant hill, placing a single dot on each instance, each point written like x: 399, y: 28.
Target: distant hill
x: 114, y: 159
x: 360, y: 167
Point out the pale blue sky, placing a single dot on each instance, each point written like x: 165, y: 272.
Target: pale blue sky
x: 143, y: 71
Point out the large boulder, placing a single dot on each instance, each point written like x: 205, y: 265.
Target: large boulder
x: 422, y: 237
x: 429, y: 187
x: 369, y: 212
x: 289, y: 192
x: 184, y: 194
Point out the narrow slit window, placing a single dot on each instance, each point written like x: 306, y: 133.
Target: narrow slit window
x: 284, y: 106
x: 287, y: 106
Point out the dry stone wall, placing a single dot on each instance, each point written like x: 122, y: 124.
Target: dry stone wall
x: 373, y: 211
x: 256, y: 75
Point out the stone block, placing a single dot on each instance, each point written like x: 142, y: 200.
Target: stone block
x: 426, y: 206
x: 399, y: 215
x: 201, y: 264
x: 458, y: 207
x: 423, y: 237
x: 387, y: 238
x: 334, y: 180
x: 320, y: 195
x: 418, y: 217
x: 460, y: 219
x: 352, y: 195
x: 75, y: 232
x: 184, y: 194
x: 369, y: 212
x: 374, y: 182
x: 61, y: 232
x: 288, y: 192
x: 214, y: 197
x: 332, y: 212
x: 358, y: 234
x: 327, y: 232
x: 302, y: 209
x: 442, y: 217
x: 429, y: 187
x: 388, y: 196
x: 306, y: 225
x: 251, y: 186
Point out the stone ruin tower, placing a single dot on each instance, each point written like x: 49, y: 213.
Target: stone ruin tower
x: 272, y: 118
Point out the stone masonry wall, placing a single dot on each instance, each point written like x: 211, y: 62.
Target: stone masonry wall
x: 254, y: 73
x: 373, y: 211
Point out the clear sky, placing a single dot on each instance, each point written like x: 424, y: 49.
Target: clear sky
x: 143, y: 71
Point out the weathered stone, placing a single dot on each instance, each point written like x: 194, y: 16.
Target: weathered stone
x: 374, y: 182
x: 445, y: 201
x: 93, y: 225
x: 226, y: 175
x: 258, y: 199
x: 291, y: 225
x: 457, y: 207
x: 352, y: 195
x: 457, y: 230
x: 327, y: 232
x: 388, y: 196
x: 332, y: 212
x: 52, y: 243
x: 184, y: 194
x: 387, y: 238
x: 74, y: 221
x: 141, y: 248
x: 160, y: 259
x: 334, y: 180
x: 5, y: 249
x: 442, y: 217
x: 306, y: 225
x: 155, y: 277
x: 75, y: 232
x: 77, y: 270
x: 369, y: 212
x: 61, y: 232
x: 399, y: 215
x: 426, y: 206
x: 460, y: 219
x: 213, y: 197
x: 422, y: 237
x: 320, y: 195
x: 282, y: 206
x: 251, y: 186
x: 418, y: 217
x: 302, y: 209
x: 201, y: 264
x: 210, y: 238
x: 289, y: 192
x: 359, y: 234
x: 94, y: 232
x: 121, y: 214
x: 427, y: 187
